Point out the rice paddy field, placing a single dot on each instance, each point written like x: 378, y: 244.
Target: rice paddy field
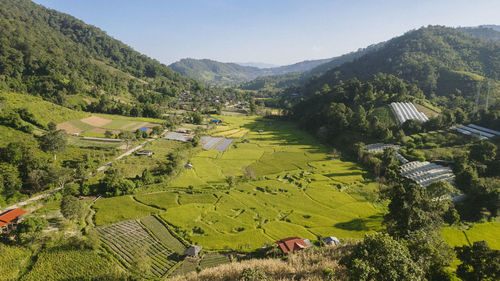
x: 488, y: 231
x: 285, y: 185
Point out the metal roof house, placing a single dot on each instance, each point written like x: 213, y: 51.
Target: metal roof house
x: 193, y: 251
x: 10, y: 219
x: 291, y: 244
x: 332, y: 241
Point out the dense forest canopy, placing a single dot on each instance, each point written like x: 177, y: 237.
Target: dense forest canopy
x: 54, y: 55
x: 437, y: 59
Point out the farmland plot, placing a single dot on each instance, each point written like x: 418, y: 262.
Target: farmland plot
x: 128, y: 239
x: 285, y: 184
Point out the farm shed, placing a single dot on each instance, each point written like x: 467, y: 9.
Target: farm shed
x: 188, y: 166
x: 332, y: 241
x: 193, y: 251
x: 10, y: 219
x: 144, y: 152
x: 216, y: 121
x: 291, y: 244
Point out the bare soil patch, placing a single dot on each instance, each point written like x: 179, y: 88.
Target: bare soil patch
x: 70, y: 129
x: 96, y: 121
x: 102, y: 131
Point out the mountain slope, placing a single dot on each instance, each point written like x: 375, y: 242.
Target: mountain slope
x: 54, y: 55
x: 438, y: 59
x: 219, y: 73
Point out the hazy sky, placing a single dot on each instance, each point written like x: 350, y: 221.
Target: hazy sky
x: 270, y: 31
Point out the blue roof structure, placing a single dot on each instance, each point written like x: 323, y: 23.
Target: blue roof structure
x: 144, y: 129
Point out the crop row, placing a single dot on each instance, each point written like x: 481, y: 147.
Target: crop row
x: 128, y: 239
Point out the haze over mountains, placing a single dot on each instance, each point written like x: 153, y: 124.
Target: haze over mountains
x: 218, y: 73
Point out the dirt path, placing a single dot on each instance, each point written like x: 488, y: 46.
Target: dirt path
x: 32, y: 199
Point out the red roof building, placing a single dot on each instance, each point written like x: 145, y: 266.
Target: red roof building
x: 291, y: 244
x: 11, y: 216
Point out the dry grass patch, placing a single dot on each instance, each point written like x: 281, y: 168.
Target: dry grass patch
x: 70, y: 129
x: 305, y: 265
x: 96, y: 121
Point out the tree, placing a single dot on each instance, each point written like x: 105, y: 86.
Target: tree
x: 483, y: 151
x: 128, y: 137
x: 157, y: 130
x: 411, y: 210
x: 72, y: 208
x: 479, y: 262
x: 30, y: 229
x: 53, y: 141
x: 108, y: 134
x: 147, y: 177
x: 380, y: 257
x: 196, y: 118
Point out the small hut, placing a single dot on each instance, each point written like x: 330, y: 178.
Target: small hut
x: 193, y: 251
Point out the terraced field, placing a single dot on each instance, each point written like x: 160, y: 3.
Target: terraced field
x: 128, y: 238
x: 285, y: 184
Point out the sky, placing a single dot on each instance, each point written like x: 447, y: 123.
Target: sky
x: 276, y: 32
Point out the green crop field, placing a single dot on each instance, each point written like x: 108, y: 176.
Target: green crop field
x: 12, y: 261
x: 297, y: 190
x: 73, y: 265
x: 120, y: 208
x: 488, y: 231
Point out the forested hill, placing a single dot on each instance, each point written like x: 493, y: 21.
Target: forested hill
x: 438, y: 59
x: 220, y: 73
x: 54, y: 55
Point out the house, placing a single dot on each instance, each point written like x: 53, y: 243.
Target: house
x: 144, y: 152
x: 10, y: 219
x: 260, y: 131
x: 332, y: 241
x: 193, y: 251
x: 291, y: 244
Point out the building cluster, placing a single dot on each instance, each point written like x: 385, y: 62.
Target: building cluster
x: 476, y: 131
x: 425, y: 173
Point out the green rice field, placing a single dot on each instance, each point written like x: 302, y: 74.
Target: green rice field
x: 285, y: 184
x: 488, y: 231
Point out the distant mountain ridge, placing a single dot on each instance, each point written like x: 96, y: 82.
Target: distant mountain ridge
x: 224, y: 74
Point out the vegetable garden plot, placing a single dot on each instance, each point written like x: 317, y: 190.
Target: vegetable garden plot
x: 224, y: 145
x: 211, y: 142
x: 179, y: 136
x: 128, y: 238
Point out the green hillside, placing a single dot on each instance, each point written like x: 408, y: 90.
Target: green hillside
x: 56, y: 56
x: 434, y: 58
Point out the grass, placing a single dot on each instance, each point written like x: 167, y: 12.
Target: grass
x: 121, y: 208
x: 384, y: 115
x: 63, y: 264
x: 212, y: 260
x: 43, y: 111
x: 13, y: 260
